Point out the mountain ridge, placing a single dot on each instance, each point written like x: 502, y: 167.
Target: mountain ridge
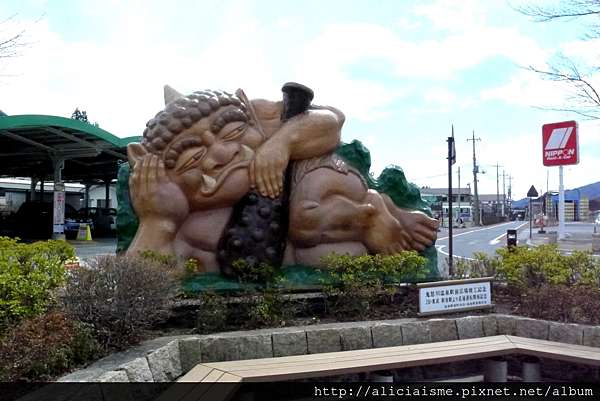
x: 590, y: 191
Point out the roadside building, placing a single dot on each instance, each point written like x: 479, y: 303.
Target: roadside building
x: 437, y: 198
x: 14, y: 192
x: 492, y: 203
x: 577, y: 207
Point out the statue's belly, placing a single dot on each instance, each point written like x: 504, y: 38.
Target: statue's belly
x: 202, y: 230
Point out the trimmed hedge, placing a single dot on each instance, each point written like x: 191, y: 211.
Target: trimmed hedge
x: 29, y: 276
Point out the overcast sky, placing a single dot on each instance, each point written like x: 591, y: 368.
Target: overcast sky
x: 401, y: 71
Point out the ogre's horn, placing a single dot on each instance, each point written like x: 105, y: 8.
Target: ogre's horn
x: 171, y: 94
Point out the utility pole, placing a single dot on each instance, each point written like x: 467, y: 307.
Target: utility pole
x: 476, y: 211
x: 497, y: 187
x: 451, y: 161
x: 509, y: 195
x: 459, y: 194
x: 503, y: 193
x: 547, y: 196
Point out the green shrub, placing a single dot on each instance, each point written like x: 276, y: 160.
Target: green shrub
x: 573, y: 304
x: 262, y: 273
x: 254, y: 309
x: 166, y: 260
x: 120, y: 296
x: 584, y: 268
x: 191, y: 268
x: 45, y: 346
x: 481, y: 265
x: 270, y: 309
x: 212, y: 313
x: 353, y: 283
x: 348, y: 271
x: 29, y: 276
x: 523, y: 267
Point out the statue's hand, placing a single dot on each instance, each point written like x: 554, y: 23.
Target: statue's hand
x: 421, y: 228
x: 154, y: 196
x: 267, y: 169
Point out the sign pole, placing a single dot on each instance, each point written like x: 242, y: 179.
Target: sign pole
x: 530, y: 214
x: 560, y: 146
x: 532, y: 193
x: 58, y: 214
x: 561, y: 204
x: 450, y: 211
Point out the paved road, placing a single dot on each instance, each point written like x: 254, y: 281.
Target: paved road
x: 481, y: 239
x: 99, y: 246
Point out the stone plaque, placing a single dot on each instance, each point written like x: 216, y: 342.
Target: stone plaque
x: 455, y: 295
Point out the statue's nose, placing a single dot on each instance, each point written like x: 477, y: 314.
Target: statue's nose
x: 208, y: 138
x: 220, y: 155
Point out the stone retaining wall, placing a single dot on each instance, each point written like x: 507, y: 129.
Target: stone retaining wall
x: 164, y: 360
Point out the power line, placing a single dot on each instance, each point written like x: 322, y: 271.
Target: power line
x: 431, y: 176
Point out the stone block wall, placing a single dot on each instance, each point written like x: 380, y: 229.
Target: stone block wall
x: 169, y: 360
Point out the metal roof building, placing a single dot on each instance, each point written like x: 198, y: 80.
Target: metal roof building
x: 58, y: 149
x: 33, y: 145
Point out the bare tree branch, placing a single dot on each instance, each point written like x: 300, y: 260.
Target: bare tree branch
x: 573, y: 77
x: 11, y: 43
x: 586, y: 99
x: 588, y: 10
x: 585, y: 88
x: 566, y: 9
x: 588, y: 116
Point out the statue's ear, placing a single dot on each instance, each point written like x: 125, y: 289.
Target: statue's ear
x: 171, y: 94
x: 135, y: 153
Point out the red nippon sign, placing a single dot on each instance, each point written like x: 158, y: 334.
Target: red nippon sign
x: 560, y: 143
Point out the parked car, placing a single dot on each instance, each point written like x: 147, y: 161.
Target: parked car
x: 518, y: 215
x: 73, y: 220
x: 34, y: 220
x: 8, y: 224
x: 105, y: 219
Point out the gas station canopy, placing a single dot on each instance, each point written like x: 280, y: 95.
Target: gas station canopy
x: 32, y: 145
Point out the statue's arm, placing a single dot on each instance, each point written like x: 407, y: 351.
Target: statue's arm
x: 160, y: 204
x: 313, y: 133
x: 155, y: 235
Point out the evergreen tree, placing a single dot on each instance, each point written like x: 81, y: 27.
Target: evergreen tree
x: 79, y: 115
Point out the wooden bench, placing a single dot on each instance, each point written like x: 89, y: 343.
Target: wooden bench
x: 368, y: 360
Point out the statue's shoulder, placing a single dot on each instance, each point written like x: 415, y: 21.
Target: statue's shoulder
x: 267, y: 109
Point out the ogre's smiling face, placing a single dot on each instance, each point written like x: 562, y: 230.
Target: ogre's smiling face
x: 213, y: 168
x: 207, y: 141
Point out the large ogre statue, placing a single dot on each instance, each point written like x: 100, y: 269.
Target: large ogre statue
x: 219, y: 177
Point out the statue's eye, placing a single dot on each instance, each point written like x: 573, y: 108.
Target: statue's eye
x: 193, y: 161
x: 235, y: 132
